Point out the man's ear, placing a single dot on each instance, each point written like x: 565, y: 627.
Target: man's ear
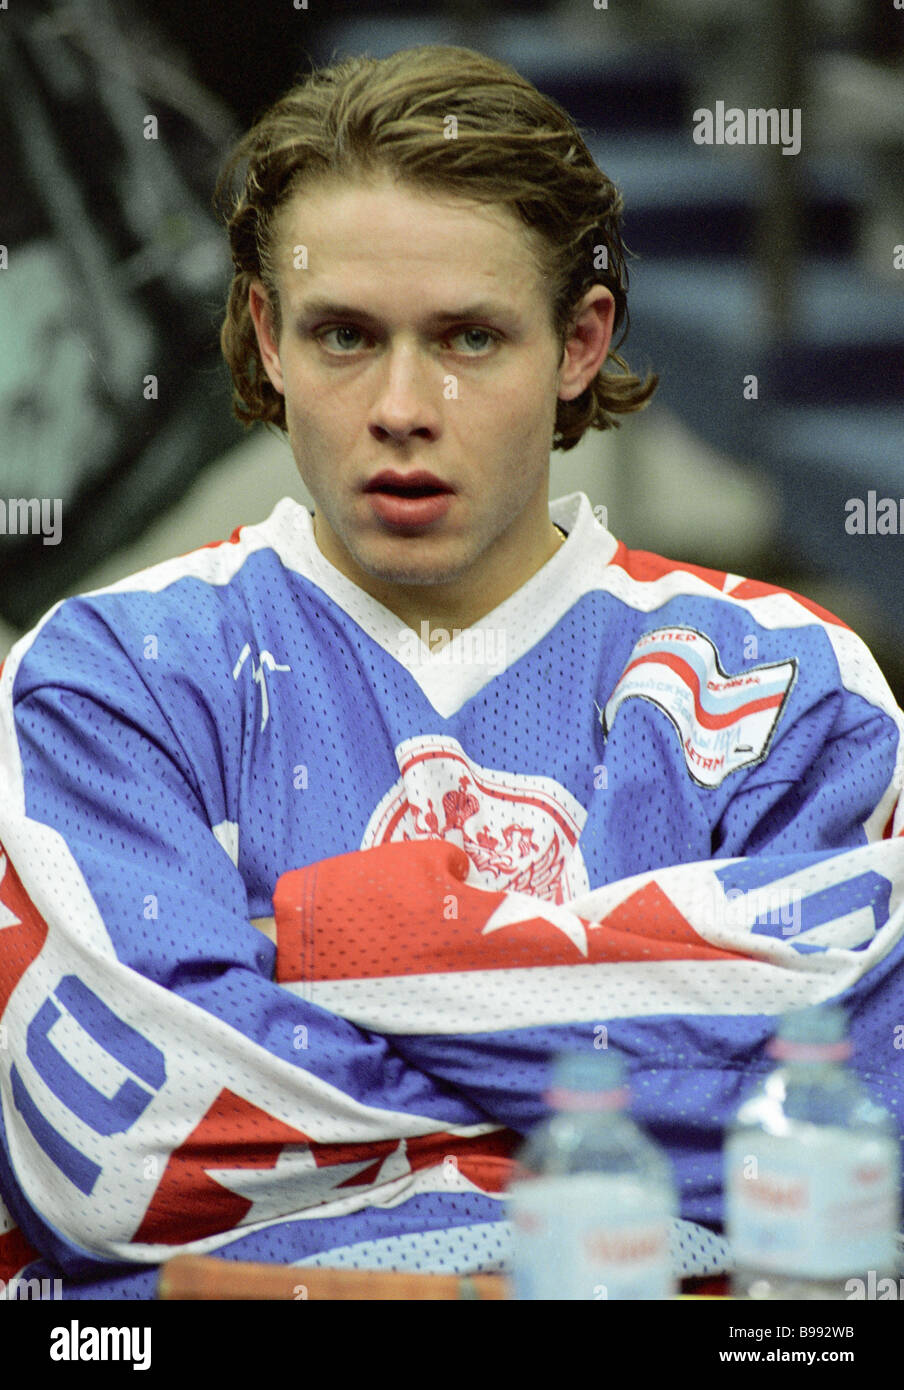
x: 261, y: 311
x: 587, y: 345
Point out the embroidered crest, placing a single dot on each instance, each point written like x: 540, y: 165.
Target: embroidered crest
x: 520, y: 833
x: 724, y: 722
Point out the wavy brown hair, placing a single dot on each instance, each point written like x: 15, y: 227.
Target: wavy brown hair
x: 512, y: 146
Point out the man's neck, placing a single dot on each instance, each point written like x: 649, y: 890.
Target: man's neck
x: 440, y: 610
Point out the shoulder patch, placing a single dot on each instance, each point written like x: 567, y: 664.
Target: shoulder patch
x: 724, y: 722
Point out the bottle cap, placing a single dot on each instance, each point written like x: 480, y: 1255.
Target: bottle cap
x: 588, y: 1080
x: 818, y: 1034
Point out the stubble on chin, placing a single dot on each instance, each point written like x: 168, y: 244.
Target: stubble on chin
x: 412, y: 568
x: 418, y: 572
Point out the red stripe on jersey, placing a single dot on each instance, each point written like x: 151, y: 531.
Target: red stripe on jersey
x: 692, y: 681
x: 402, y: 909
x: 646, y: 567
x: 188, y: 1204
x: 21, y: 940
x: 487, y: 1160
x: 754, y: 588
x: 650, y: 926
x: 15, y: 1254
x: 390, y: 910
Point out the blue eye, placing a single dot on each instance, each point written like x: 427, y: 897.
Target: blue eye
x: 341, y: 328
x: 481, y: 332
x: 347, y: 339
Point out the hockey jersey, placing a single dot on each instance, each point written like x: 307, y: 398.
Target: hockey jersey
x: 640, y: 805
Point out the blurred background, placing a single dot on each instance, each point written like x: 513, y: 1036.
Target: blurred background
x: 767, y: 290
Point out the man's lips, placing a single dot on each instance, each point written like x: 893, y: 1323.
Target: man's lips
x: 408, y: 501
x: 419, y: 484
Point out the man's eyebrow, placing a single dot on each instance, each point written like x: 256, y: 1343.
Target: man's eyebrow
x: 328, y: 308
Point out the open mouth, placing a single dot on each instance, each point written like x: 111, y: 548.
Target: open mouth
x: 414, y: 486
x: 409, y: 502
x: 409, y: 489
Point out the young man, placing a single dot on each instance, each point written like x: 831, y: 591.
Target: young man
x: 320, y: 843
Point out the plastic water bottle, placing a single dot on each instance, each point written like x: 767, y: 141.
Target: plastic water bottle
x: 812, y: 1172
x: 592, y: 1202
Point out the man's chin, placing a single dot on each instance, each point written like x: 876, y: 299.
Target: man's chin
x: 408, y: 563
x: 414, y: 574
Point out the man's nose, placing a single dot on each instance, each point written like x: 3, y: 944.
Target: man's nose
x: 409, y: 390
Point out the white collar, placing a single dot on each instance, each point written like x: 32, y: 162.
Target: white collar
x: 453, y: 674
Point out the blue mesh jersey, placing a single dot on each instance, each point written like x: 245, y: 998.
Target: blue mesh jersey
x: 640, y: 805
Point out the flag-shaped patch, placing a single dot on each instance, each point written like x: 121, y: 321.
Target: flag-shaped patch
x: 724, y: 721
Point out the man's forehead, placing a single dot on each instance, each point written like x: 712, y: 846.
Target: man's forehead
x: 363, y: 234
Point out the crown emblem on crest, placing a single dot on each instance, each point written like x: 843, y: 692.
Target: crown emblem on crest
x: 520, y: 833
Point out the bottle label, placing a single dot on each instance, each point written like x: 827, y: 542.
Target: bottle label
x: 590, y: 1236
x: 821, y: 1209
